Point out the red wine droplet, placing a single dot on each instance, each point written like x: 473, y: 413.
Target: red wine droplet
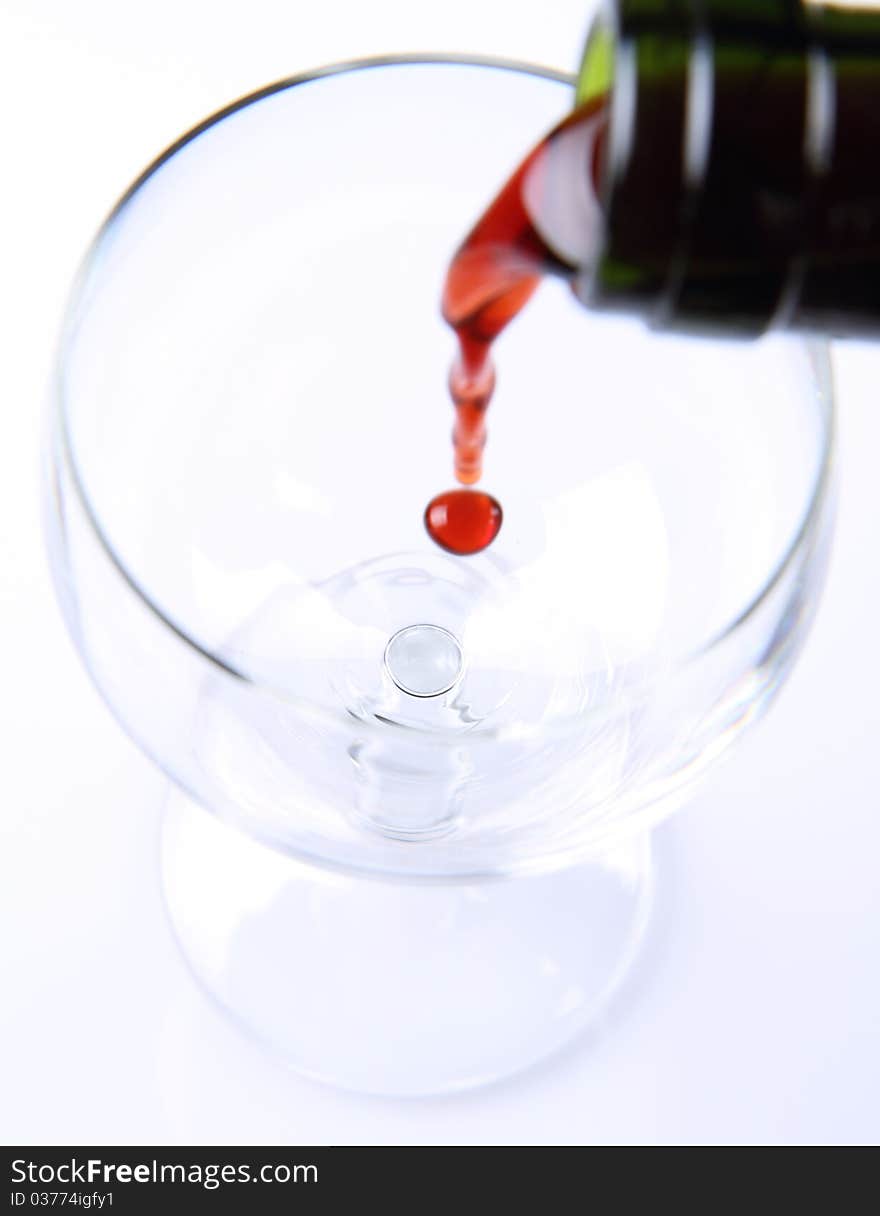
x: 463, y: 521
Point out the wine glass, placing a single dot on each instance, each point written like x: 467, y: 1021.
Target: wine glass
x: 407, y: 844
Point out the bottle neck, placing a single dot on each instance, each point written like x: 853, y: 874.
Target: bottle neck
x: 741, y: 179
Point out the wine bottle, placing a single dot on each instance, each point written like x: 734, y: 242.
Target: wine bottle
x: 740, y: 183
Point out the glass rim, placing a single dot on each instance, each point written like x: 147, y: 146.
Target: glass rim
x: 340, y: 718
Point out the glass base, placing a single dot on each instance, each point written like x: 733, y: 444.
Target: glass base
x: 396, y: 988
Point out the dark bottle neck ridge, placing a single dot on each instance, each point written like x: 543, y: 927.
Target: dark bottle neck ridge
x: 741, y: 182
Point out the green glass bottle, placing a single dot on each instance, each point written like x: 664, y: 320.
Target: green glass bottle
x: 741, y: 178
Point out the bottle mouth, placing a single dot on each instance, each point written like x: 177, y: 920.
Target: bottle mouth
x: 637, y: 56
x: 721, y: 130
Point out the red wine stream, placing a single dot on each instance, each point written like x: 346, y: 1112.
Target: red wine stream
x: 490, y: 279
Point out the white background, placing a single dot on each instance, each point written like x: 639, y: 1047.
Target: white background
x: 755, y: 1017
